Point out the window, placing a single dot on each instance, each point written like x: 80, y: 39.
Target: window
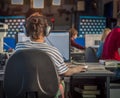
x: 17, y: 2
x: 38, y: 4
x: 56, y: 2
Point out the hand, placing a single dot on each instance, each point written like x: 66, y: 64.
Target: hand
x: 74, y: 70
x: 82, y: 68
x: 10, y: 50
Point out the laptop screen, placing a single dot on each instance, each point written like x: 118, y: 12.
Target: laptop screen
x: 60, y: 40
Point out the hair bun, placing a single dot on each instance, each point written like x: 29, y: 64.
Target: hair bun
x: 34, y: 20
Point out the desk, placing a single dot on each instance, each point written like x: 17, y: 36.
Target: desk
x: 78, y: 56
x: 100, y: 77
x: 1, y: 84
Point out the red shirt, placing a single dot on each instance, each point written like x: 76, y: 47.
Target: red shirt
x: 111, y: 45
x: 74, y: 44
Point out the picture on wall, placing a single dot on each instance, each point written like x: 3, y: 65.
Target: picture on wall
x: 17, y: 2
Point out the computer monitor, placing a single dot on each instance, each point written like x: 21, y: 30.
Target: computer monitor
x: 60, y: 40
x: 92, y: 40
x: 22, y: 37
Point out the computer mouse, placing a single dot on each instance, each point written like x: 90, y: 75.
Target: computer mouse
x: 86, y: 66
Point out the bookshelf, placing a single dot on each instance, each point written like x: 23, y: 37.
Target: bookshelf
x: 88, y: 88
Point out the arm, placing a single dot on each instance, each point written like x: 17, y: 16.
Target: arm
x: 74, y: 44
x: 65, y: 69
x: 74, y: 70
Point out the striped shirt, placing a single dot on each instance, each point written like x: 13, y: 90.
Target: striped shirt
x: 52, y: 51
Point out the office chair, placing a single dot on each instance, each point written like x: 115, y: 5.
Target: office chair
x: 30, y: 73
x: 90, y: 55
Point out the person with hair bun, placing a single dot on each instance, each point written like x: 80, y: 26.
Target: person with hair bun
x: 37, y: 30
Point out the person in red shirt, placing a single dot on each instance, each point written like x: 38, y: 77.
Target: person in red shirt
x: 73, y: 36
x: 112, y: 43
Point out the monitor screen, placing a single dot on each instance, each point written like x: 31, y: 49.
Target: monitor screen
x: 60, y: 40
x: 92, y: 40
x: 22, y: 37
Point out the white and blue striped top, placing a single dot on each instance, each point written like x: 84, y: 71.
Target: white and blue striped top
x: 52, y: 51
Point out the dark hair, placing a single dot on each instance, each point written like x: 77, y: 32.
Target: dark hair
x: 35, y: 26
x: 73, y: 32
x: 32, y: 11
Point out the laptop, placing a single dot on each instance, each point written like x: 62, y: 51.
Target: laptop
x: 61, y: 40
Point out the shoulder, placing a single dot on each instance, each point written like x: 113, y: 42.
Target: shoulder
x: 50, y: 49
x: 114, y: 34
x: 50, y: 46
x: 116, y: 30
x: 22, y: 45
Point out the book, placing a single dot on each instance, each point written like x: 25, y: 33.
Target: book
x: 77, y: 89
x: 92, y: 92
x: 90, y: 87
x: 87, y: 92
x: 112, y: 64
x: 88, y: 96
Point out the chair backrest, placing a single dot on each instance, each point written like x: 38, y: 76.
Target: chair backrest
x: 30, y: 70
x: 90, y: 55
